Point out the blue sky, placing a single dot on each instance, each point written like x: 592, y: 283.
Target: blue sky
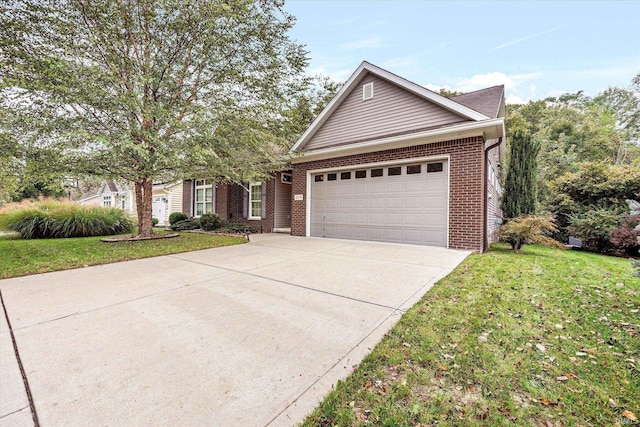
x: 536, y: 49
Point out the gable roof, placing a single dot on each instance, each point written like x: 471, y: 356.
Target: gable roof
x: 486, y: 101
x: 365, y: 68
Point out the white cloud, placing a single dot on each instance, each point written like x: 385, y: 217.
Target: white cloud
x: 480, y: 81
x: 529, y: 37
x: 370, y: 43
x: 515, y: 99
x: 338, y: 76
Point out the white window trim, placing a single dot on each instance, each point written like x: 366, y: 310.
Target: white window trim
x: 195, y: 195
x: 107, y: 198
x: 250, y: 210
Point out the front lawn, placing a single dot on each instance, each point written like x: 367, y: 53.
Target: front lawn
x: 21, y: 257
x: 545, y: 338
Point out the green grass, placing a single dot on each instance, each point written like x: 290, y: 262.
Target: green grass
x: 22, y: 257
x: 562, y: 335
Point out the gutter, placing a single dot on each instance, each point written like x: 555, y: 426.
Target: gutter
x: 486, y: 193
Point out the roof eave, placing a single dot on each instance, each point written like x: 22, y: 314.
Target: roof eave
x: 488, y: 129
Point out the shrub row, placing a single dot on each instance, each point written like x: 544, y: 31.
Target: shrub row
x: 51, y: 218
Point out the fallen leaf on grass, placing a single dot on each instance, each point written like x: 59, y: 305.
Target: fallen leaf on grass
x: 629, y: 415
x: 443, y: 368
x: 612, y: 403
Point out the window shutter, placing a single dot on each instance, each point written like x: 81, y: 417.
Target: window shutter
x: 264, y: 200
x: 245, y: 203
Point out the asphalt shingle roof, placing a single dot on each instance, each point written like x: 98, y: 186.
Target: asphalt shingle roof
x: 486, y: 101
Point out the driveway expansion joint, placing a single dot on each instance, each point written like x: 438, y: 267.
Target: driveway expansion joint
x: 25, y: 381
x: 248, y: 273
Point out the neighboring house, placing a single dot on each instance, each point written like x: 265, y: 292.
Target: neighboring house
x: 109, y: 194
x: 386, y: 160
x: 166, y: 199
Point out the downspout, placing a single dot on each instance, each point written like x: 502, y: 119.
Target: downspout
x: 486, y: 193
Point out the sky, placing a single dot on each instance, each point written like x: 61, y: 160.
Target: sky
x: 536, y: 49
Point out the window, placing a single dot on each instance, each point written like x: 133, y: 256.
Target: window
x: 123, y: 202
x: 285, y: 178
x: 345, y: 175
x: 318, y: 178
x: 204, y: 197
x: 434, y: 167
x: 361, y: 174
x: 332, y: 176
x: 106, y: 201
x: 394, y: 171
x: 376, y: 173
x: 413, y: 169
x: 255, y: 200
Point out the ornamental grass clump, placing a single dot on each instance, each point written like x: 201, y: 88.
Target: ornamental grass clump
x: 51, y: 218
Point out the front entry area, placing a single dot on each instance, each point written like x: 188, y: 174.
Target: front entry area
x: 401, y: 203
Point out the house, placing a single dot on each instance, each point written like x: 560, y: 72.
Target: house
x: 386, y: 160
x: 166, y: 199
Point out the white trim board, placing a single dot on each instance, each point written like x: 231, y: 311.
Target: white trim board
x: 487, y: 129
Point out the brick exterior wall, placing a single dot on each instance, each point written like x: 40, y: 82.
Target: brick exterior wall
x: 466, y: 193
x: 229, y: 205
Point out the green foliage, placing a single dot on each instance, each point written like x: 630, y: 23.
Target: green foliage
x: 590, y: 202
x: 527, y: 230
x: 594, y: 227
x: 155, y: 221
x: 50, y: 218
x: 155, y: 91
x: 177, y: 216
x: 520, y: 186
x: 210, y: 221
x: 238, y: 227
x: 627, y: 235
x: 185, y: 224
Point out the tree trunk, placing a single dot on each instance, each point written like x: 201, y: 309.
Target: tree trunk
x: 144, y: 191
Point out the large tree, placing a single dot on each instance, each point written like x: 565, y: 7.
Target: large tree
x: 145, y: 90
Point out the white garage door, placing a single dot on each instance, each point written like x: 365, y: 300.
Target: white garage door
x: 399, y: 203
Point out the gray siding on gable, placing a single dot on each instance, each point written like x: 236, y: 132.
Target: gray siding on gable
x: 391, y: 111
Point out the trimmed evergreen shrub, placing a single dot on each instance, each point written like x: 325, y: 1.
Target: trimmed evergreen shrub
x: 51, y: 218
x: 177, y: 216
x: 520, y: 186
x: 185, y: 224
x: 155, y: 221
x: 238, y: 227
x: 210, y: 221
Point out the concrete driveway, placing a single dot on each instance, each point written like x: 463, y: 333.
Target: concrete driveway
x: 250, y: 335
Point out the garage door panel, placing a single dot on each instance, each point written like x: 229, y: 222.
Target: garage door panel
x: 393, y: 187
x: 377, y: 186
x: 393, y: 202
x: 376, y: 202
x: 375, y: 218
x: 406, y: 208
x: 361, y: 203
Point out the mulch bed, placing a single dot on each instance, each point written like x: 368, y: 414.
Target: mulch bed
x: 139, y: 238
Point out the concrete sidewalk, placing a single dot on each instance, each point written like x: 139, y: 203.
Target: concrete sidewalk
x: 254, y: 334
